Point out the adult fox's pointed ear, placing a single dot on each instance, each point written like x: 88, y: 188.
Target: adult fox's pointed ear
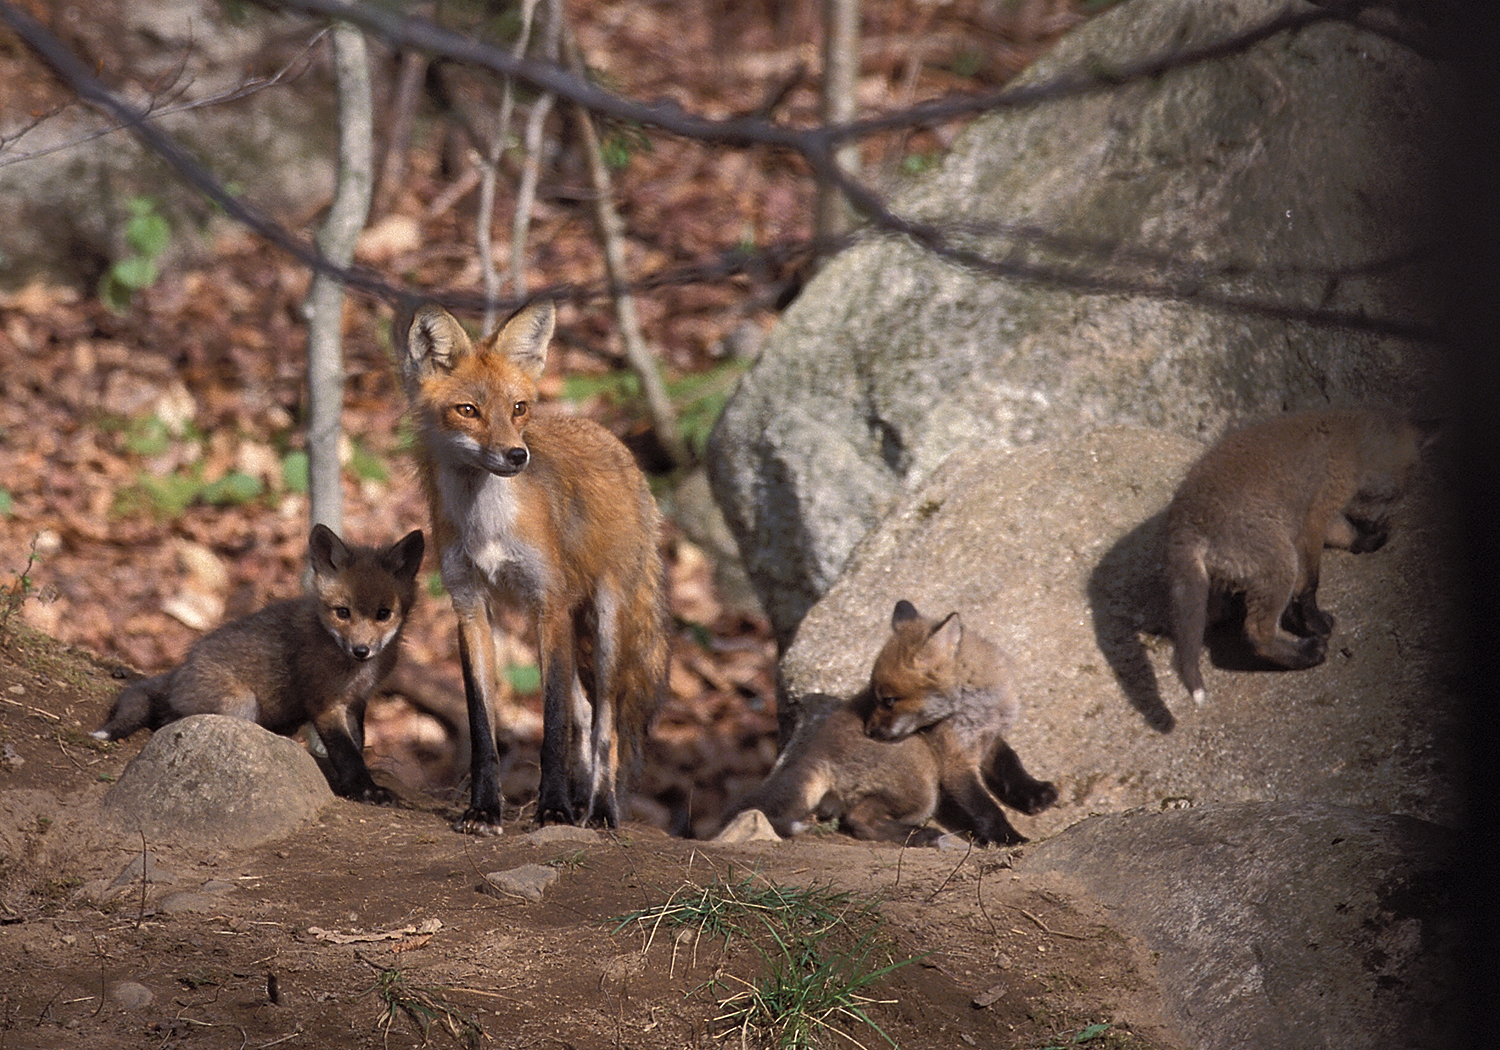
x: 434, y: 340
x: 524, y: 337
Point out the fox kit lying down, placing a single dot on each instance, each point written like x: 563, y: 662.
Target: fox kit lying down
x: 927, y: 738
x: 311, y: 659
x: 1253, y: 515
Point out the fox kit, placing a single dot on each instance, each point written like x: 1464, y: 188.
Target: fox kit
x: 1253, y: 515
x: 925, y: 739
x: 550, y: 515
x: 311, y: 659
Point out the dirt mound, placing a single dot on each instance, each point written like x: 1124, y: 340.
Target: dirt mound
x: 369, y: 925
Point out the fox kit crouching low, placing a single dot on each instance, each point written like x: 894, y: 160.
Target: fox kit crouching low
x: 550, y: 515
x: 927, y: 738
x: 1253, y: 515
x: 311, y: 659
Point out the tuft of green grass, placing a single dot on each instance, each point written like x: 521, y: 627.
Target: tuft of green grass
x: 424, y: 1006
x: 807, y: 989
x: 1087, y: 1034
x: 823, y: 951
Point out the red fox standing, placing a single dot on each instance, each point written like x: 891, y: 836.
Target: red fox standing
x: 311, y: 659
x: 553, y: 516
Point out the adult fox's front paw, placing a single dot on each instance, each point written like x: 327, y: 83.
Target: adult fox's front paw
x: 478, y: 821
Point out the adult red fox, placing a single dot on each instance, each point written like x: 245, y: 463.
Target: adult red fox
x: 1253, y: 515
x: 549, y: 514
x: 926, y: 739
x: 311, y: 659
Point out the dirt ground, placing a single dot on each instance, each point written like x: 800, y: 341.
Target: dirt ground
x: 318, y: 939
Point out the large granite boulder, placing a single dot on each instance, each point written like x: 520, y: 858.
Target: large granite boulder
x: 1053, y: 551
x: 1236, y: 236
x: 1278, y: 925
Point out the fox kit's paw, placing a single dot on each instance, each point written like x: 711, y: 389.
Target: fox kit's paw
x: 1311, y: 651
x: 375, y: 795
x: 478, y: 821
x: 1002, y: 834
x: 1036, y: 796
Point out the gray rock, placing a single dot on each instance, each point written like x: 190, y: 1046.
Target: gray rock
x: 749, y: 826
x: 1297, y: 175
x: 216, y: 781
x: 1279, y: 925
x: 131, y: 995
x: 1052, y: 551
x: 552, y: 834
x: 529, y: 882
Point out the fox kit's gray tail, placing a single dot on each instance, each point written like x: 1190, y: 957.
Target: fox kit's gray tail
x: 141, y: 705
x: 1188, y: 582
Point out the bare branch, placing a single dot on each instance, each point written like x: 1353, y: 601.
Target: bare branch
x: 156, y: 110
x: 1173, y: 281
x: 485, y: 222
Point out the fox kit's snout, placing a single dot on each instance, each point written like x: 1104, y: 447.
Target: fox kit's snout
x: 1252, y: 517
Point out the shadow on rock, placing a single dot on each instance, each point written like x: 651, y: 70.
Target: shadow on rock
x: 1127, y: 596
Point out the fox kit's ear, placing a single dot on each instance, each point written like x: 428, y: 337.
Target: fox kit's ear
x: 525, y: 336
x: 905, y: 611
x: 406, y: 556
x: 326, y: 551
x: 941, y: 647
x: 435, y: 341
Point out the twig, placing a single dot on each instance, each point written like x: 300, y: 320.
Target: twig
x: 1051, y: 932
x: 967, y: 853
x: 141, y: 915
x: 530, y: 171
x: 30, y: 710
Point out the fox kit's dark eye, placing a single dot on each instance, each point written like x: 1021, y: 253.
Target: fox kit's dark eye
x: 519, y: 409
x: 382, y: 615
x: 887, y: 702
x: 341, y: 611
x: 467, y: 410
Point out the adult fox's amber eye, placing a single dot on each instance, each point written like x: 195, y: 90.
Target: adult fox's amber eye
x: 518, y: 409
x: 466, y: 410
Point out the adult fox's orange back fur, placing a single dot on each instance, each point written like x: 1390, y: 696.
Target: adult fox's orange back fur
x: 549, y: 514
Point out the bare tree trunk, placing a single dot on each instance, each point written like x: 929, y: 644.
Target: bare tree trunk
x: 839, y: 105
x: 491, y: 172
x: 617, y: 270
x: 398, y: 139
x: 324, y: 306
